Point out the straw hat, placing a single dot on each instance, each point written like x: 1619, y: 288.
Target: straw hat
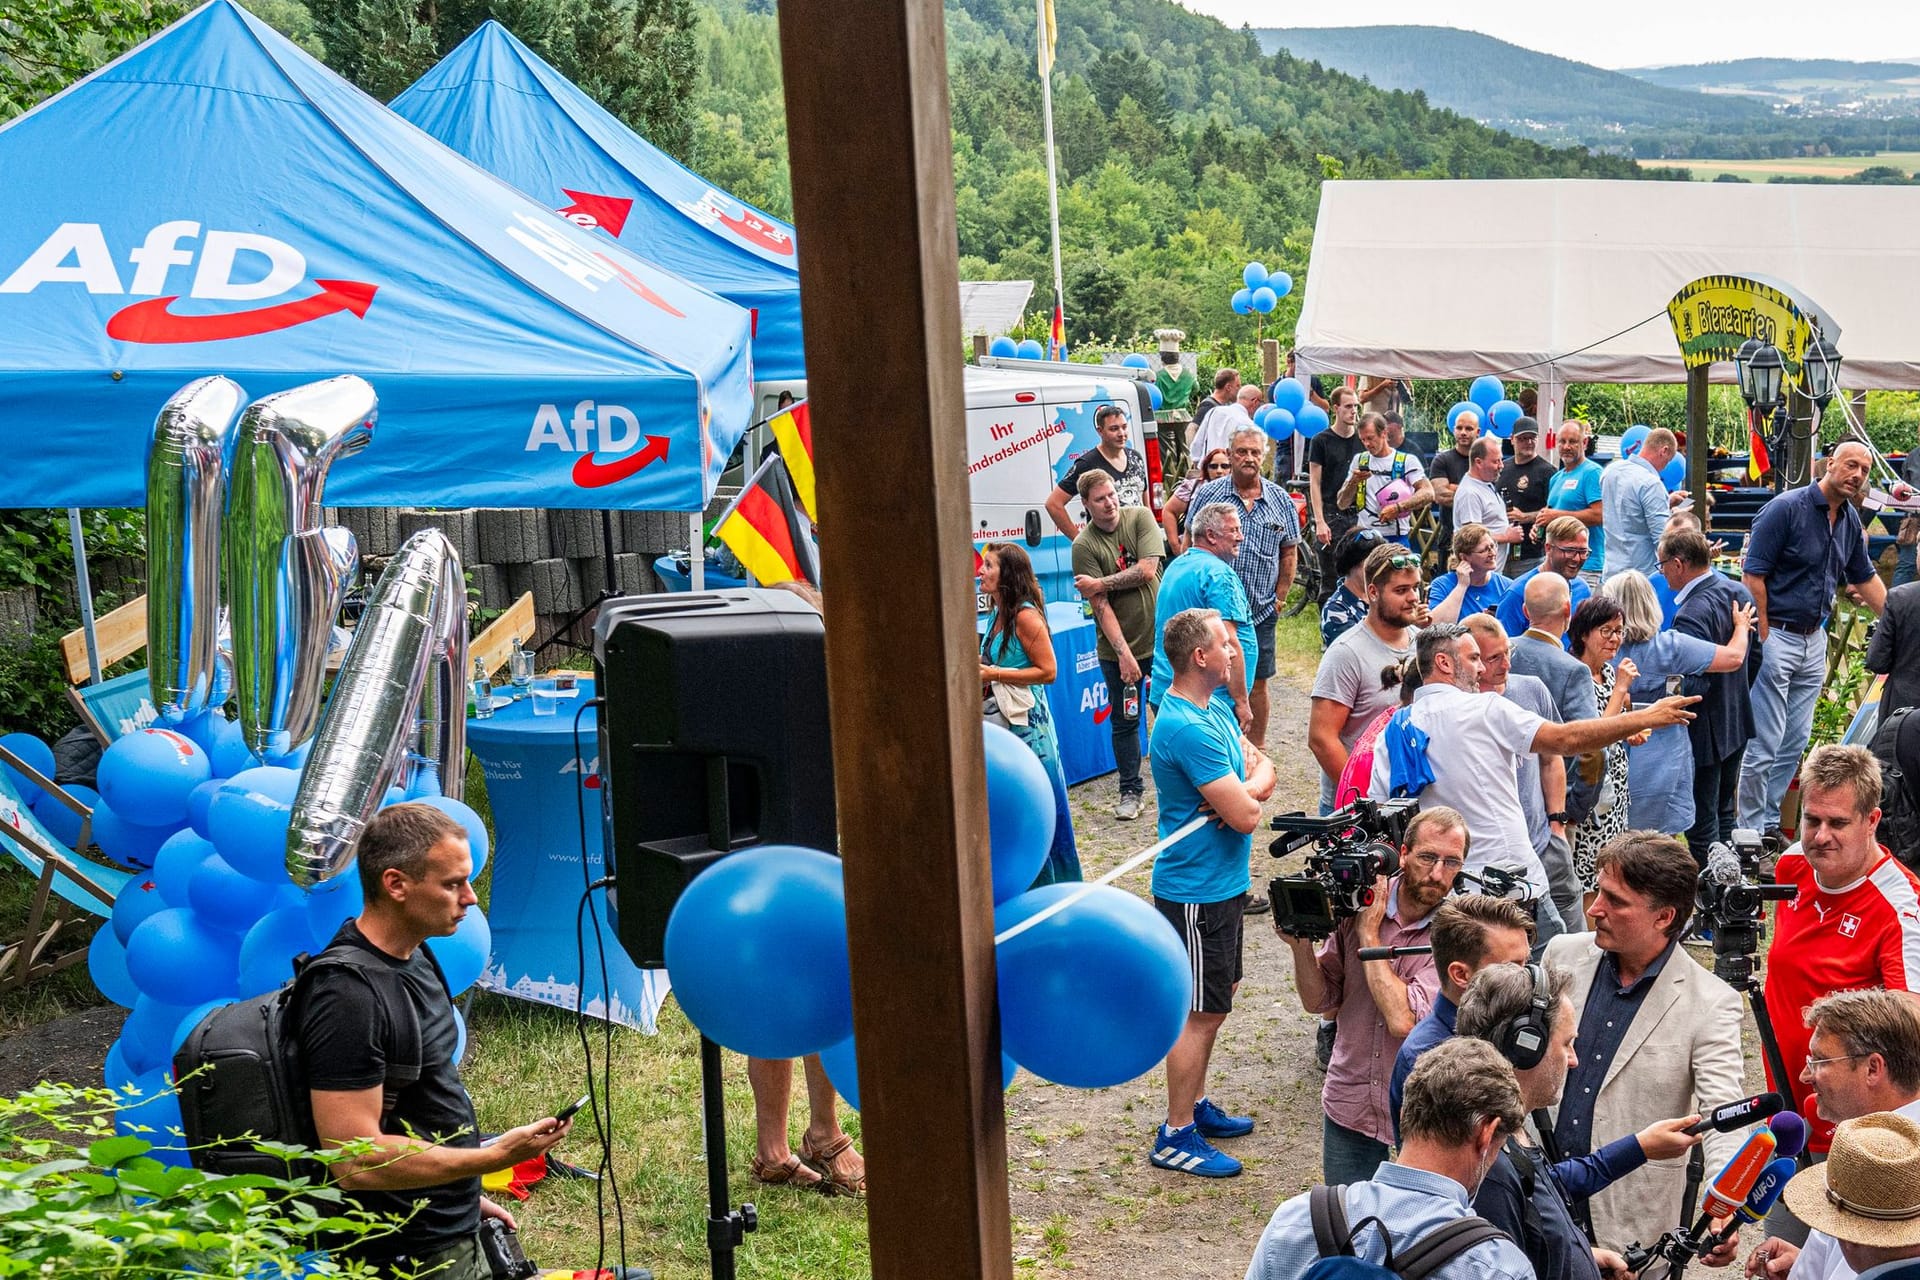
x: 1868, y: 1191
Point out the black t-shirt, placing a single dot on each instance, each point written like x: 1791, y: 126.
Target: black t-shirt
x: 1524, y: 487
x: 350, y: 1032
x: 1335, y: 454
x: 1130, y: 484
x: 1450, y: 465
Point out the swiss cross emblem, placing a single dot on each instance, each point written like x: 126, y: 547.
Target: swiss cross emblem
x: 1849, y: 926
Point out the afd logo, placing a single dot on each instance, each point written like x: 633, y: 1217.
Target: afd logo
x: 589, y: 772
x: 561, y: 249
x: 228, y: 266
x: 1093, y: 699
x: 606, y: 436
x: 713, y: 209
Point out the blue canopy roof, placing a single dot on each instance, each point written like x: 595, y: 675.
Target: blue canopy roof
x: 496, y: 102
x: 216, y: 201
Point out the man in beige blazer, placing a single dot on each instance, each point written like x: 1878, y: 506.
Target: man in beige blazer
x: 1659, y: 1035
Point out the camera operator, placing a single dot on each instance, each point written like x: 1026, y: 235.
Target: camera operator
x: 1469, y: 933
x: 1524, y: 1012
x: 1866, y: 1058
x: 1374, y: 1004
x: 1659, y: 1035
x: 1856, y: 920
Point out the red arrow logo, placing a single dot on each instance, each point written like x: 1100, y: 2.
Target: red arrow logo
x: 755, y: 231
x: 152, y: 322
x: 590, y: 473
x: 607, y: 212
x: 1100, y: 714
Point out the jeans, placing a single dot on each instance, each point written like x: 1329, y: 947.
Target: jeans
x: 1715, y: 790
x: 1903, y: 565
x: 1547, y: 924
x: 1126, y: 732
x: 1347, y: 1155
x: 1792, y: 669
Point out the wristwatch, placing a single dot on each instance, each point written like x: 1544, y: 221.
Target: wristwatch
x: 1558, y: 817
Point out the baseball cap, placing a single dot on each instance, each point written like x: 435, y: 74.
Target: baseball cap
x: 1525, y: 427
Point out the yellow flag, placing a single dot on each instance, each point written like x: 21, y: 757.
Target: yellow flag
x: 1049, y: 36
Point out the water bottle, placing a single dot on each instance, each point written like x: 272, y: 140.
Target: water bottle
x: 482, y: 690
x: 520, y: 666
x: 1130, y: 700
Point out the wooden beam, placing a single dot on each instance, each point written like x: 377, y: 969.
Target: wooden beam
x: 1698, y: 450
x: 869, y: 142
x: 120, y: 633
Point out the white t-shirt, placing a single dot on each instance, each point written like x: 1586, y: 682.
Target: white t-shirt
x: 1381, y: 472
x: 1217, y: 431
x: 1349, y: 674
x: 1474, y: 744
x: 1477, y: 502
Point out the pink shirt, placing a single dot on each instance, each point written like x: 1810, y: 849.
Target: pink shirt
x: 1355, y: 1094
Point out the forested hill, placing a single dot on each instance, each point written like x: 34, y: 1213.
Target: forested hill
x: 1492, y: 80
x: 1710, y: 75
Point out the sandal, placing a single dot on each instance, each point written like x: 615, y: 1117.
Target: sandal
x: 793, y: 1172
x: 821, y: 1159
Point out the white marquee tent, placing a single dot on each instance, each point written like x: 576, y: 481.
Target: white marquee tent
x: 1561, y: 281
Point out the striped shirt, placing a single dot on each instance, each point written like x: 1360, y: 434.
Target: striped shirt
x: 1267, y: 528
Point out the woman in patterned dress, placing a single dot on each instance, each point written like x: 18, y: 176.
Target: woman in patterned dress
x: 1596, y: 632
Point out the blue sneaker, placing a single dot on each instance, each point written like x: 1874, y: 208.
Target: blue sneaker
x: 1185, y: 1151
x: 1212, y: 1122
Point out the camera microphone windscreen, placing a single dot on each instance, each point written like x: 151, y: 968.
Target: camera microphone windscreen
x: 1723, y: 865
x: 1737, y: 1115
x: 1789, y: 1133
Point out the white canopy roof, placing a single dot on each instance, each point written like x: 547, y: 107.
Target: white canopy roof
x: 1568, y: 280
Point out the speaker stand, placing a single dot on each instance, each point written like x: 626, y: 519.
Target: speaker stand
x: 726, y: 1226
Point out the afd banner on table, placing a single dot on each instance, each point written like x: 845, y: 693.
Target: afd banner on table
x: 536, y: 785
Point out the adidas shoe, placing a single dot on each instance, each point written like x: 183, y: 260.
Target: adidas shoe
x: 1185, y: 1151
x: 1212, y: 1122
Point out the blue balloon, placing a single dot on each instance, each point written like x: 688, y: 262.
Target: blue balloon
x: 1134, y: 360
x: 1281, y: 283
x: 1290, y: 394
x: 1674, y: 474
x: 1264, y: 412
x: 731, y: 946
x: 199, y: 801
x: 1265, y: 300
x: 116, y: 1074
x: 1243, y: 302
x: 295, y: 759
x: 395, y: 795
x: 332, y: 903
x: 138, y: 899
x: 426, y: 783
x: 1464, y: 406
x: 226, y: 899
x: 148, y: 775
x: 1031, y: 349
x: 1003, y: 348
x: 229, y: 749
x: 151, y: 1111
x: 459, y: 1036
x: 107, y: 966
x: 1020, y: 812
x: 1632, y: 438
x: 463, y: 955
x: 188, y: 1021
x: 148, y: 1033
x: 1310, y: 420
x: 1254, y: 275
x: 249, y: 816
x: 36, y: 755
x: 178, y: 958
x: 1502, y: 417
x: 199, y: 728
x: 178, y: 861
x: 62, y: 823
x: 267, y: 952
x: 125, y: 842
x: 476, y: 829
x: 1486, y: 391
x: 1279, y: 424
x: 1094, y: 995
x: 843, y: 1072
x: 1154, y: 397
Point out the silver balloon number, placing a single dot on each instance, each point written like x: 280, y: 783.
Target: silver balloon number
x: 186, y: 497
x: 284, y: 570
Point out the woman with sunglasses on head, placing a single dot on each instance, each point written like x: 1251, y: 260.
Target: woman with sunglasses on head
x: 1595, y: 635
x: 1173, y: 517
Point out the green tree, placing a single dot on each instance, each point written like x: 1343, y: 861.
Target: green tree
x: 45, y: 45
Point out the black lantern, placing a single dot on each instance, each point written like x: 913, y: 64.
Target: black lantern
x: 1743, y: 368
x: 1760, y: 382
x: 1823, y: 371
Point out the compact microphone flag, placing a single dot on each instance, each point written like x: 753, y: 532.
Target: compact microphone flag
x: 1729, y: 1188
x: 1789, y: 1133
x: 1734, y: 1115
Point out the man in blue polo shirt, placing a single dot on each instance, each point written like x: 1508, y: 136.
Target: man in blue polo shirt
x: 1204, y: 578
x: 1804, y: 545
x: 1202, y: 764
x: 1564, y: 542
x: 1575, y: 489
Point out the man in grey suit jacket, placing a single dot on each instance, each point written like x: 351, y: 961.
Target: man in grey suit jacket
x: 1659, y: 1035
x: 1538, y: 651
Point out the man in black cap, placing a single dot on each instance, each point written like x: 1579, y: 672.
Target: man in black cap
x: 1523, y: 485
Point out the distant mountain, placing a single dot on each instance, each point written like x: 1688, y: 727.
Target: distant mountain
x: 1804, y: 86
x: 1532, y: 94
x: 1715, y: 75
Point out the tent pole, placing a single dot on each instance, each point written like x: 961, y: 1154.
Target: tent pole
x: 85, y: 587
x: 696, y: 562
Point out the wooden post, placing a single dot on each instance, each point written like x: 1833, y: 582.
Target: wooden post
x: 1698, y: 446
x: 871, y: 158
x: 1270, y: 361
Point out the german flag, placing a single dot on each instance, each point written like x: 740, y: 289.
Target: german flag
x: 765, y: 529
x: 1057, y: 331
x: 793, y: 429
x: 1758, y: 463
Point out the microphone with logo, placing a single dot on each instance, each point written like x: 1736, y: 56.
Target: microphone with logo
x: 1729, y: 1116
x: 1726, y: 1194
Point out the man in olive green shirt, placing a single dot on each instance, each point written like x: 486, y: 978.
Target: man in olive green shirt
x: 1116, y: 568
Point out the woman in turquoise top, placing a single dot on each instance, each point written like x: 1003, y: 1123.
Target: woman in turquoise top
x: 1017, y: 649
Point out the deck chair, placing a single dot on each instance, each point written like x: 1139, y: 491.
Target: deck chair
x: 495, y: 644
x: 68, y: 886
x: 118, y: 706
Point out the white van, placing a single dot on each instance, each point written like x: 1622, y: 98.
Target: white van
x: 1027, y: 420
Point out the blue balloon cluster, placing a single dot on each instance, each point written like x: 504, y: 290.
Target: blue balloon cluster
x: 1263, y: 289
x: 1092, y: 996
x: 216, y: 917
x: 1003, y: 348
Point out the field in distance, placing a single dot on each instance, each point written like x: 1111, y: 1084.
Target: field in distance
x: 1792, y: 166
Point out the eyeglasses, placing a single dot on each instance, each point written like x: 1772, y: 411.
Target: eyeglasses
x: 1838, y: 1057
x: 1569, y: 548
x: 1611, y: 633
x: 1428, y: 861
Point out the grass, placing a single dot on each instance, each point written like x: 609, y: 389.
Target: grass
x: 1791, y: 166
x: 68, y: 991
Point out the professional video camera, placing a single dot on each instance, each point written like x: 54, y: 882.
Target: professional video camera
x: 1730, y: 899
x: 1353, y: 848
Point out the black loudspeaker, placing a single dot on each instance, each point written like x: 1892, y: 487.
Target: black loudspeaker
x: 713, y: 737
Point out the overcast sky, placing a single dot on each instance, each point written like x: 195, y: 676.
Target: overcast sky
x: 1626, y: 33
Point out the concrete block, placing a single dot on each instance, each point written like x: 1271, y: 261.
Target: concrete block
x: 633, y: 575
x: 591, y: 573
x: 489, y: 583
x: 555, y: 586
x: 457, y: 524
x: 577, y: 534
x: 375, y: 529
x: 513, y: 535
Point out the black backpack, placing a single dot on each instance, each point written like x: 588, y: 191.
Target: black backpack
x: 1897, y: 744
x: 1334, y: 1239
x: 242, y: 1081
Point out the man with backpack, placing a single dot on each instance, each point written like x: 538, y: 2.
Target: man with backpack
x: 377, y: 1037
x: 1384, y: 486
x: 1412, y: 1219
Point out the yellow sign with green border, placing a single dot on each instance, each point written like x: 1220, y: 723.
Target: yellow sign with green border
x: 1713, y: 315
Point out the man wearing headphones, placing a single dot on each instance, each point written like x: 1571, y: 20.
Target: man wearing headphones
x: 1659, y: 1035
x: 1523, y: 1011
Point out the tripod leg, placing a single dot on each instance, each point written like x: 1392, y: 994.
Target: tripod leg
x: 1776, y: 1065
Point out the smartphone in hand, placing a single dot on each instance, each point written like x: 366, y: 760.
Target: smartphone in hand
x: 566, y: 1113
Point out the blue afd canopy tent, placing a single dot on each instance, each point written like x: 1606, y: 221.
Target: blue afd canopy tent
x: 216, y: 201
x: 496, y: 102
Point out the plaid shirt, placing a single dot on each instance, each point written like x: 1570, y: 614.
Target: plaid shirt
x: 1269, y: 527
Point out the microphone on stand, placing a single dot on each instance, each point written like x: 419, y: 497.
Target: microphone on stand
x: 1730, y: 1187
